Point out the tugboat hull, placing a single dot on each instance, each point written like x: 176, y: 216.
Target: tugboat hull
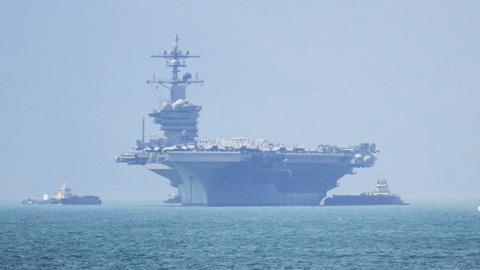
x: 364, y: 200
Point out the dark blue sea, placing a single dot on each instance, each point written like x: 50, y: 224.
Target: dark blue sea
x: 149, y: 236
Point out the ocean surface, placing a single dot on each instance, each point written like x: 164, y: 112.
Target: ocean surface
x: 149, y: 236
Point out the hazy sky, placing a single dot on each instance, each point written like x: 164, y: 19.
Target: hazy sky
x: 402, y: 74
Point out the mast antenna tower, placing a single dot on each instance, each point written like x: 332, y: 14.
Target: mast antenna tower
x: 175, y: 59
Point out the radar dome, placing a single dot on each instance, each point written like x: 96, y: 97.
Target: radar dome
x: 179, y: 102
x: 368, y: 159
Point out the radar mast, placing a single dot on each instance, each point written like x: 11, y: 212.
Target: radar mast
x: 175, y: 59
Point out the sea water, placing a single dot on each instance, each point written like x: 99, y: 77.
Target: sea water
x: 146, y: 236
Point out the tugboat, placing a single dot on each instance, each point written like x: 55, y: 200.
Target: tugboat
x: 65, y: 196
x: 381, y: 196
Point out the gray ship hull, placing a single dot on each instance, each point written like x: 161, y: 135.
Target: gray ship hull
x: 363, y: 199
x: 249, y: 180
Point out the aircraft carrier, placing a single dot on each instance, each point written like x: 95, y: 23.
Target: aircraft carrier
x: 238, y: 171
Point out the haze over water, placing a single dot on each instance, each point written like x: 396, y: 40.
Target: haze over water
x: 404, y: 75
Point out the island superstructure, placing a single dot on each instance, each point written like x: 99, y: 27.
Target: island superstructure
x: 238, y: 171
